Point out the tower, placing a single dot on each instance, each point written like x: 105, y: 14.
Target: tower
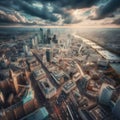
x: 116, y: 109
x: 85, y: 81
x: 36, y: 40
x: 48, y: 33
x: 55, y: 39
x: 41, y: 36
x: 25, y: 49
x: 33, y: 42
x: 68, y: 42
x: 48, y: 55
x: 105, y: 94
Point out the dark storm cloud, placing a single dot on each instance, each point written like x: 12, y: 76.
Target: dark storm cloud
x: 28, y: 8
x: 73, y: 3
x: 6, y: 3
x: 34, y: 11
x: 61, y: 7
x: 58, y: 7
x: 106, y: 10
x: 69, y: 4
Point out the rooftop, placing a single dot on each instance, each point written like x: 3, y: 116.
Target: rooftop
x: 31, y: 59
x: 59, y: 74
x: 38, y: 73
x: 68, y: 86
x: 98, y: 113
x: 39, y: 114
x: 47, y: 88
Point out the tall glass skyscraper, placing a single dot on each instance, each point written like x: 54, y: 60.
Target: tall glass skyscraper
x: 116, y: 109
x: 105, y: 94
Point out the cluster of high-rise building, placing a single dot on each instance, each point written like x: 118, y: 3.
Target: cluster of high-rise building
x: 46, y: 36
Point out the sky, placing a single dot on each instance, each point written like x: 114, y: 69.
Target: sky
x: 60, y: 12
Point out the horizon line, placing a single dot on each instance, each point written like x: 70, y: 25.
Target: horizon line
x: 65, y: 26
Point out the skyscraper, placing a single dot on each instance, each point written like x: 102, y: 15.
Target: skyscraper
x: 105, y: 94
x: 84, y: 81
x: 55, y: 39
x: 36, y: 38
x: 44, y: 39
x: 33, y: 42
x: 116, y: 109
x: 48, y: 55
x: 48, y: 40
x: 48, y: 37
x: 68, y: 42
x: 41, y: 39
x: 25, y: 49
x: 48, y: 33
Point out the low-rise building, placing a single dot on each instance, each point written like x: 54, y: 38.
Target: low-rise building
x: 47, y: 88
x: 68, y: 86
x: 32, y: 62
x: 76, y: 76
x: 58, y: 77
x: 99, y: 113
x: 38, y: 73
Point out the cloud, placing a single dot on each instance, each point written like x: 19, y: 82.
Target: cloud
x: 73, y: 4
x: 70, y: 20
x: 73, y: 17
x: 30, y: 9
x: 6, y: 3
x: 58, y: 12
x: 106, y: 10
x: 43, y: 12
x: 116, y: 21
x: 11, y: 17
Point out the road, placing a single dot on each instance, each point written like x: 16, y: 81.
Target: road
x: 46, y: 70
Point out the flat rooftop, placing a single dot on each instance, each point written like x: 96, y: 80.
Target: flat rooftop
x: 59, y: 74
x: 38, y: 73
x: 31, y: 59
x: 68, y: 86
x: 47, y: 88
x: 98, y: 113
x: 39, y: 114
